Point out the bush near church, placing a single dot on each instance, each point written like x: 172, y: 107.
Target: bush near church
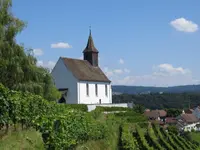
x: 60, y: 127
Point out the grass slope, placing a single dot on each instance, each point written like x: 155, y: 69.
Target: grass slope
x: 110, y: 143
x: 195, y: 136
x: 22, y: 140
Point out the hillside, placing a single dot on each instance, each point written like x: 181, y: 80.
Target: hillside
x: 145, y: 90
x: 28, y: 120
x: 160, y: 101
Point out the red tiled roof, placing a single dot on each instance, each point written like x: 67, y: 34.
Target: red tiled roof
x: 151, y: 114
x: 84, y: 71
x: 189, y: 118
x: 170, y: 120
x: 155, y: 113
x: 162, y: 113
x: 189, y: 111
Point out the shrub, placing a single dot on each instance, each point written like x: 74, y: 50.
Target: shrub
x: 127, y: 139
x: 113, y: 108
x: 173, y: 129
x: 131, y: 116
x: 62, y: 126
x: 95, y: 113
x: 97, y: 130
x: 82, y: 107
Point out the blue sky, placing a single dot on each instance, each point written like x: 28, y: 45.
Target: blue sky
x: 140, y: 42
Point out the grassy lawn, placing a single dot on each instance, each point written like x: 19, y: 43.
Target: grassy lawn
x: 195, y: 136
x: 110, y: 143
x: 22, y: 140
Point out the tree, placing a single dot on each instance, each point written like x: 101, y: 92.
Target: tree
x: 18, y: 69
x: 172, y: 112
x: 139, y: 108
x: 173, y: 129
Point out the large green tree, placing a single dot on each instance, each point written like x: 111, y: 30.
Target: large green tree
x: 18, y: 69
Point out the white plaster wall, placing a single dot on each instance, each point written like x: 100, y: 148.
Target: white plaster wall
x: 189, y: 127
x: 93, y: 106
x: 110, y: 93
x: 63, y: 78
x: 92, y: 98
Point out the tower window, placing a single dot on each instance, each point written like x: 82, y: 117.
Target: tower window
x: 96, y: 89
x: 87, y: 89
x: 106, y: 90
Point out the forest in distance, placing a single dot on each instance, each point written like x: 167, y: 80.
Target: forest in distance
x: 161, y: 101
x: 117, y: 89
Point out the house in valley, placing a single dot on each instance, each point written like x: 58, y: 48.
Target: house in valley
x: 196, y: 112
x: 82, y: 81
x: 170, y: 121
x: 188, y: 122
x: 159, y: 115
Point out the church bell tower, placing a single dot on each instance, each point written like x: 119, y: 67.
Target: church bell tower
x: 90, y: 53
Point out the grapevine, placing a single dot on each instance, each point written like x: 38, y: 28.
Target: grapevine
x: 151, y: 136
x: 162, y: 139
x: 128, y: 140
x: 141, y: 139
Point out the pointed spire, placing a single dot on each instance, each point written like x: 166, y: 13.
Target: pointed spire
x: 90, y: 31
x: 90, y: 44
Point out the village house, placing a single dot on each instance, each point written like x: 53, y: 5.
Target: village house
x: 170, y: 121
x: 82, y: 81
x: 196, y: 112
x: 189, y: 111
x: 188, y: 122
x: 158, y: 115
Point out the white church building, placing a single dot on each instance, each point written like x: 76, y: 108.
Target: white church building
x: 82, y: 81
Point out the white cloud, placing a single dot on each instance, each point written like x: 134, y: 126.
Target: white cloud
x: 61, y: 45
x: 81, y: 57
x: 51, y: 64
x: 39, y: 63
x: 121, y: 61
x: 127, y: 70
x: 115, y: 72
x: 181, y: 24
x: 168, y: 69
x: 118, y: 71
x: 162, y: 75
x: 151, y: 80
x: 38, y: 52
x: 48, y: 64
x: 108, y: 72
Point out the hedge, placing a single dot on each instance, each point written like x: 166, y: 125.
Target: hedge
x: 108, y: 109
x: 82, y: 107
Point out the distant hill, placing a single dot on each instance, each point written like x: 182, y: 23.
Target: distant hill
x: 117, y: 89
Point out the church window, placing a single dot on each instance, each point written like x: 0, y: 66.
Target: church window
x: 106, y: 90
x: 96, y: 89
x: 87, y: 89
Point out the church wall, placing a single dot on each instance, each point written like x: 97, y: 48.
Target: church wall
x: 92, y: 98
x: 93, y: 106
x: 63, y: 78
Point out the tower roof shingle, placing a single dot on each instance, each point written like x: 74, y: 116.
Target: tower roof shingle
x: 90, y: 45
